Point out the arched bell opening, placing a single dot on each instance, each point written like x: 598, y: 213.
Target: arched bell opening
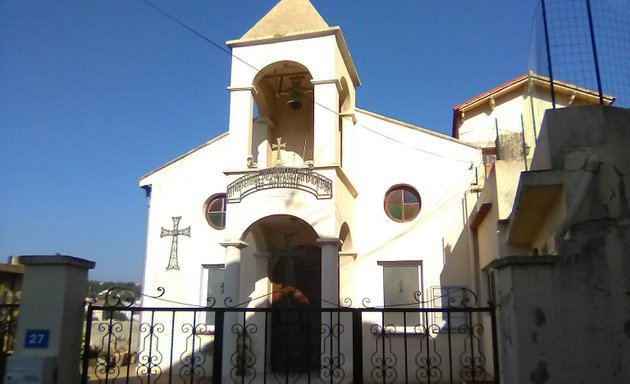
x: 283, y: 121
x: 292, y: 261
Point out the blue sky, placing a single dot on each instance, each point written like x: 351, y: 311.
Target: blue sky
x: 94, y: 94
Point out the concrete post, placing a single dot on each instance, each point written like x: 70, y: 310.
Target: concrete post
x: 241, y: 110
x: 330, y: 271
x: 52, y: 313
x: 231, y: 284
x: 326, y: 130
x: 330, y: 362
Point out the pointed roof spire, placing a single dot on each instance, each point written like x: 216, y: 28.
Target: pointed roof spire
x: 288, y: 17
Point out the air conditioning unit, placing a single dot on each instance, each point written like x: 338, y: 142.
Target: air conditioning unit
x: 30, y: 370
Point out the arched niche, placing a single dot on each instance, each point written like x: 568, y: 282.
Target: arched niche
x: 284, y: 110
x: 346, y: 238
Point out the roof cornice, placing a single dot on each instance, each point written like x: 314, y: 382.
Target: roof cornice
x: 336, y: 31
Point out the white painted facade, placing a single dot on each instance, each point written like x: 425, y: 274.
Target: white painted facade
x: 363, y: 154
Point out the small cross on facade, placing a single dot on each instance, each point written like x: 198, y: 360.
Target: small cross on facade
x: 279, y: 146
x: 175, y: 232
x: 401, y: 285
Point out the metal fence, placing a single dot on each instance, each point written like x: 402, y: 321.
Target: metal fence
x: 585, y: 43
x: 452, y: 344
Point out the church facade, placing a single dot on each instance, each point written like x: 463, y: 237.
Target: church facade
x: 307, y: 200
x: 305, y: 190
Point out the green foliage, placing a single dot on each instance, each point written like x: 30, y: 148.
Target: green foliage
x: 96, y: 287
x: 114, y: 315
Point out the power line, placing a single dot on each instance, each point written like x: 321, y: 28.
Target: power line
x: 229, y: 52
x: 199, y: 34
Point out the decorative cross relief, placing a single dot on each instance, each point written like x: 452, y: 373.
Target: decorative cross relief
x: 288, y: 251
x: 279, y: 146
x: 401, y: 285
x: 175, y: 232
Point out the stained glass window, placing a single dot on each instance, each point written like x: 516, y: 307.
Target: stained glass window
x: 215, y: 211
x: 402, y: 203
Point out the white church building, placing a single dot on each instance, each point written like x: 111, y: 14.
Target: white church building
x: 306, y: 190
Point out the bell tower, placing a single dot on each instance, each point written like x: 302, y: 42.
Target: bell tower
x: 292, y: 90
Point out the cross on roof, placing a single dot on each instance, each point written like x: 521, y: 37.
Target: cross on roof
x: 175, y: 232
x: 279, y: 147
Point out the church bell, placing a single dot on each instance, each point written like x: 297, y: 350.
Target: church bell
x: 295, y: 97
x: 295, y: 100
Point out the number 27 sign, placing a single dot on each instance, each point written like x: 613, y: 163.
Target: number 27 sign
x: 37, y: 338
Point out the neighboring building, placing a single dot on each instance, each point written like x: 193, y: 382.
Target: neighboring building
x: 560, y: 267
x: 506, y: 120
x: 11, y: 281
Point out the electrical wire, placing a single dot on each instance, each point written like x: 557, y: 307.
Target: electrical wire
x: 224, y: 50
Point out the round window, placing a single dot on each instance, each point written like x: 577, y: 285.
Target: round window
x: 402, y: 203
x: 215, y: 211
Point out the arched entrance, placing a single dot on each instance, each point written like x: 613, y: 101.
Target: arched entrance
x: 294, y: 273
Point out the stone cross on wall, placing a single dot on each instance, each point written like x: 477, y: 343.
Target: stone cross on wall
x: 279, y: 147
x: 287, y: 275
x: 175, y: 232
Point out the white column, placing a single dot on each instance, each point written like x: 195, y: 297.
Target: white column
x: 233, y: 269
x: 326, y: 122
x: 262, y: 148
x: 330, y: 271
x: 240, y: 138
x: 330, y: 328
x: 231, y: 283
x: 346, y: 277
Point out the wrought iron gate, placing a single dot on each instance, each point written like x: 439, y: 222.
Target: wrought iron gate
x: 448, y: 344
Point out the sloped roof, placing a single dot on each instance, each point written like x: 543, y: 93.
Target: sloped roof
x: 295, y: 19
x: 142, y: 181
x: 520, y: 82
x: 288, y: 17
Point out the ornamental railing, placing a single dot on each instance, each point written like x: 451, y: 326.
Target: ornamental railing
x: 128, y: 344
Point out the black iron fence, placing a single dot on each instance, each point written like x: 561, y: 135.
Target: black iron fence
x: 127, y: 344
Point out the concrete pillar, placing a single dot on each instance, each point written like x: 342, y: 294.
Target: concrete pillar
x: 232, y: 269
x: 326, y: 122
x: 330, y: 271
x: 240, y: 126
x: 346, y: 277
x: 261, y: 151
x: 330, y: 299
x: 231, y: 284
x: 52, y: 313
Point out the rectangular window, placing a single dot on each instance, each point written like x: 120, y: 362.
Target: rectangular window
x: 450, y: 297
x: 402, y: 280
x: 215, y: 287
